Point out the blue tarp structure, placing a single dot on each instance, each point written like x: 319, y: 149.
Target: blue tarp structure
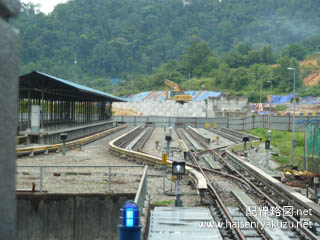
x: 138, y: 97
x: 160, y: 96
x: 309, y: 100
x: 276, y: 99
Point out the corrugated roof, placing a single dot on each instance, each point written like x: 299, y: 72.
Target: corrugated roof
x: 77, y: 86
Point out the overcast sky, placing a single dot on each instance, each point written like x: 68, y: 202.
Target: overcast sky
x: 46, y: 5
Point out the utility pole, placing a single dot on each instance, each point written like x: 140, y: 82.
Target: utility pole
x: 294, y: 142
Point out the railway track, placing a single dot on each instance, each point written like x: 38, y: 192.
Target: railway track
x: 259, y: 186
x: 261, y: 199
x: 298, y: 231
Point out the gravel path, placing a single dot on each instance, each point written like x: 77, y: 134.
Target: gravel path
x: 259, y: 157
x: 96, y: 179
x: 190, y: 197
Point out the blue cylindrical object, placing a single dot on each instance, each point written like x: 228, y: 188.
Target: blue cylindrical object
x: 129, y: 233
x: 130, y: 214
x: 129, y: 229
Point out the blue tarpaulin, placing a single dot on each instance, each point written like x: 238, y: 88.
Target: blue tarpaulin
x: 160, y: 96
x: 276, y: 99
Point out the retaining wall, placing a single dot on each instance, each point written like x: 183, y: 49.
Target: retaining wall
x: 168, y: 108
x: 69, y: 216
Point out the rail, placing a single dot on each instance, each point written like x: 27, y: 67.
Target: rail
x: 153, y: 160
x: 219, y: 200
x: 284, y: 191
x: 266, y: 179
x: 142, y: 190
x: 70, y: 144
x: 43, y: 168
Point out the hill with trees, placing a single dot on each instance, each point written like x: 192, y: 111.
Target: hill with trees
x: 228, y: 45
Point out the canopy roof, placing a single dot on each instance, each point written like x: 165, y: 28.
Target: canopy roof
x: 53, y: 88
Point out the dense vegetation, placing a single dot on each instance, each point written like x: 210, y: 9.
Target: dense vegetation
x: 227, y: 45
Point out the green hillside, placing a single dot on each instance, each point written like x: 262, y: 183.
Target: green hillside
x: 198, y: 43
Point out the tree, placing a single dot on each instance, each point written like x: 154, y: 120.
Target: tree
x: 295, y: 50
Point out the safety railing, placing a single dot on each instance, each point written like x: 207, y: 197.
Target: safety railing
x: 142, y: 190
x: 41, y: 173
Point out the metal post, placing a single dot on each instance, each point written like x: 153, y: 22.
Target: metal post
x: 316, y: 185
x: 178, y: 202
x: 245, y: 149
x: 294, y: 104
x: 294, y: 114
x: 146, y: 182
x: 29, y: 110
x: 305, y: 148
x: 270, y: 107
x: 307, y: 190
x: 164, y: 169
x: 42, y: 109
x: 64, y: 147
x: 267, y: 159
x: 109, y: 179
x: 261, y: 88
x: 41, y: 175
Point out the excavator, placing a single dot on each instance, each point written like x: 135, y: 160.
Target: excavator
x: 177, y: 93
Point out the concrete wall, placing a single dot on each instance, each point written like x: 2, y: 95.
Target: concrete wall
x: 168, y: 108
x: 9, y: 71
x: 212, y: 107
x: 228, y: 106
x: 69, y: 216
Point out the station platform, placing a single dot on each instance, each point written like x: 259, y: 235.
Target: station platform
x: 182, y: 223
x: 45, y: 136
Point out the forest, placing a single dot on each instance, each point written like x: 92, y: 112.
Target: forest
x: 228, y: 45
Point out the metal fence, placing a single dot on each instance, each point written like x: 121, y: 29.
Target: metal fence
x: 41, y: 173
x: 255, y: 121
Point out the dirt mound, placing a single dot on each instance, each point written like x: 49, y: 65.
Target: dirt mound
x: 312, y: 79
x: 124, y: 112
x: 309, y: 62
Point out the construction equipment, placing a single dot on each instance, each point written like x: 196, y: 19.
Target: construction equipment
x: 177, y: 94
x: 297, y: 178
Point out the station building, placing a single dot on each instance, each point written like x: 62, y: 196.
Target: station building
x: 49, y: 106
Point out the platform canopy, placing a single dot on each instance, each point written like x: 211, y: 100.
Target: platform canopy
x: 39, y: 85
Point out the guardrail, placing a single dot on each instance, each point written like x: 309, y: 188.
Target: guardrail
x: 71, y: 144
x: 142, y: 190
x: 42, y: 172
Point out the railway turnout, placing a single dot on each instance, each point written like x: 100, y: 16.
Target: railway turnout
x: 229, y: 186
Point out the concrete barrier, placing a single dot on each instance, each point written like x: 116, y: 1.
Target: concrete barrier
x: 69, y: 216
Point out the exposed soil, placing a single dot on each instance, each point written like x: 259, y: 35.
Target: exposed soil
x: 124, y: 112
x: 312, y: 79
